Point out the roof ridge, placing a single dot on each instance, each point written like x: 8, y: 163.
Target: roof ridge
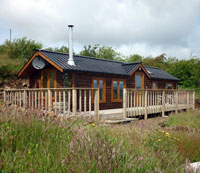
x: 52, y: 51
x: 101, y: 59
x: 82, y: 56
x: 139, y: 62
x: 152, y: 67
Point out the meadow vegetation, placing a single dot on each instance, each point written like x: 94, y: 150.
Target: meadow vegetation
x: 31, y: 142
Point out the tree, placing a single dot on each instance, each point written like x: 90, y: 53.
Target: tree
x: 90, y: 51
x: 62, y: 49
x: 104, y: 52
x: 134, y: 58
x: 21, y: 48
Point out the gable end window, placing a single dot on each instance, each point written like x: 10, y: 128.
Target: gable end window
x: 101, y: 84
x: 117, y: 90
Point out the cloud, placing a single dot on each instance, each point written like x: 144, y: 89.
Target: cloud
x: 147, y: 27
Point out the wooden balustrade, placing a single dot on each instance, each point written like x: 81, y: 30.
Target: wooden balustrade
x: 144, y: 102
x: 62, y: 101
x: 85, y: 101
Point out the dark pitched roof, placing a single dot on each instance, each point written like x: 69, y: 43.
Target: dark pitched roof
x: 129, y: 67
x: 157, y: 73
x: 89, y: 64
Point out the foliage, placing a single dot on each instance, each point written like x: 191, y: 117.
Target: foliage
x: 134, y: 58
x: 187, y: 119
x: 31, y: 142
x: 21, y: 48
x: 104, y: 52
x: 62, y: 49
x: 67, y: 80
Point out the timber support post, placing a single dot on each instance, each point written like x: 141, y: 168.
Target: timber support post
x: 49, y: 100
x: 74, y: 102
x: 193, y: 106
x: 24, y: 99
x: 124, y: 102
x: 4, y: 96
x: 96, y: 104
x: 163, y: 103
x: 145, y: 113
x: 176, y: 101
x: 188, y: 100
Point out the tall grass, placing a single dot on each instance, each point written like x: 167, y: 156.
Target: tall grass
x: 31, y: 142
x: 186, y: 119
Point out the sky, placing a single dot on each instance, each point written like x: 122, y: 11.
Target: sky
x: 144, y: 27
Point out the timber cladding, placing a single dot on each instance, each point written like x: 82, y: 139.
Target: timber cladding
x: 85, y: 80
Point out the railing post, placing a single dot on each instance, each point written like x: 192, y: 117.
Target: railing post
x: 96, y: 104
x: 193, y: 106
x: 163, y: 103
x: 176, y: 101
x: 124, y: 102
x: 24, y: 99
x: 49, y: 100
x: 4, y: 96
x: 188, y: 100
x: 74, y: 101
x: 145, y: 115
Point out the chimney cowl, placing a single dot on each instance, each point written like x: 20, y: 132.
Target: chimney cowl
x: 71, y: 59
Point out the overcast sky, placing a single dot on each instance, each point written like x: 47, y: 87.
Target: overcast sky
x: 145, y: 27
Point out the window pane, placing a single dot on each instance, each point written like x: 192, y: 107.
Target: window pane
x: 154, y: 85
x: 169, y: 86
x: 95, y: 83
x: 121, y: 86
x: 52, y: 77
x: 101, y: 89
x: 115, y: 93
x: 138, y: 82
x: 45, y: 80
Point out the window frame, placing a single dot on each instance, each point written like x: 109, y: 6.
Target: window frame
x: 142, y: 80
x: 118, y: 90
x: 48, y: 71
x: 98, y: 86
x: 155, y: 83
x: 171, y: 83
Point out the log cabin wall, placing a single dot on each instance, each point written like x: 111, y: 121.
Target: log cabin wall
x: 84, y: 80
x: 32, y: 78
x: 130, y: 83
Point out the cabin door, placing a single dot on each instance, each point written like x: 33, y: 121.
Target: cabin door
x: 139, y: 88
x: 37, y: 83
x: 48, y: 79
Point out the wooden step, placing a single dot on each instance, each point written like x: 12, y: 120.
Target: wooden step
x: 120, y: 121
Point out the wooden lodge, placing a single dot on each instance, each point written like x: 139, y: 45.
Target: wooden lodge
x: 68, y: 84
x: 97, y: 87
x: 109, y: 76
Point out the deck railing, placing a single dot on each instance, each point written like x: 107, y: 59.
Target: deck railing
x: 144, y: 102
x: 64, y: 101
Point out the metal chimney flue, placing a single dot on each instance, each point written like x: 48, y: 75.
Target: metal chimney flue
x: 71, y: 59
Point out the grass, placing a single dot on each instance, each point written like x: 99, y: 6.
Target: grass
x: 186, y: 119
x: 31, y: 142
x: 8, y: 68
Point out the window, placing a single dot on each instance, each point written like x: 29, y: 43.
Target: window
x: 117, y: 90
x: 154, y: 85
x: 101, y: 84
x: 139, y: 81
x: 169, y: 86
x: 48, y: 79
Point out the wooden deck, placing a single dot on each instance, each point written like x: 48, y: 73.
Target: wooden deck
x: 80, y: 102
